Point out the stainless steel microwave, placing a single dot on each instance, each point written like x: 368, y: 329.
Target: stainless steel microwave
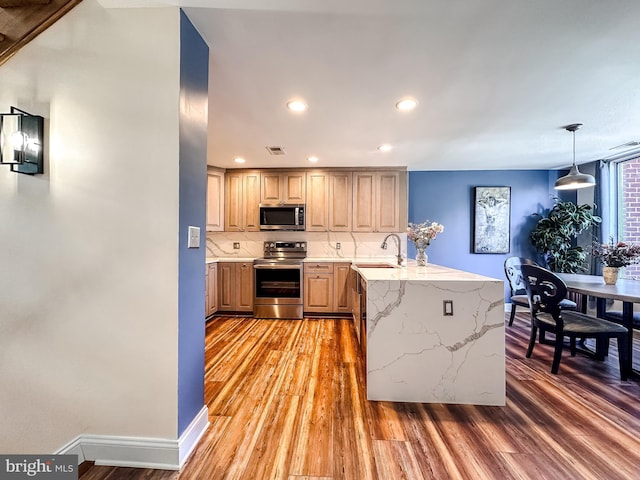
x: 282, y: 216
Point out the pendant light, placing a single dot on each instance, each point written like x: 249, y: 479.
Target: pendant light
x: 574, y: 179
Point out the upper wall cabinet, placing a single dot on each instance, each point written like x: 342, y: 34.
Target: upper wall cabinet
x: 328, y: 201
x: 317, y: 209
x: 242, y: 200
x: 379, y: 201
x: 340, y: 200
x: 282, y: 187
x: 215, y: 201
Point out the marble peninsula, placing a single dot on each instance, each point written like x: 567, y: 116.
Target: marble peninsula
x: 415, y: 352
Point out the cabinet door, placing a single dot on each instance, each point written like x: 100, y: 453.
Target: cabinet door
x: 317, y: 212
x: 387, y: 202
x: 233, y: 205
x: 340, y: 202
x: 271, y: 188
x: 244, y: 287
x: 212, y: 289
x: 318, y: 292
x: 364, y: 202
x: 341, y: 287
x: 215, y: 201
x: 206, y: 291
x: 294, y: 187
x: 251, y: 186
x: 227, y: 286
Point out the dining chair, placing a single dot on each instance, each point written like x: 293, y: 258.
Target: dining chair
x: 516, y: 285
x: 545, y: 292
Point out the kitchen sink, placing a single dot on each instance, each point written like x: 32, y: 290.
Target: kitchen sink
x: 374, y: 265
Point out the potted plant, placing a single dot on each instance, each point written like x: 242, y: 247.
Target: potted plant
x: 613, y: 256
x: 554, y: 236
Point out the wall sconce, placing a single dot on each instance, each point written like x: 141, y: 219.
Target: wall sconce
x: 21, y: 141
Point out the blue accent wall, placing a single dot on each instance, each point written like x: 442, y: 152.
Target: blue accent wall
x: 447, y: 197
x: 194, y: 81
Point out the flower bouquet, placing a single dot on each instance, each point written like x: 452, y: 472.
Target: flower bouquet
x: 614, y: 255
x: 421, y: 235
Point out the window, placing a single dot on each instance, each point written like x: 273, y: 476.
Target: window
x: 628, y: 207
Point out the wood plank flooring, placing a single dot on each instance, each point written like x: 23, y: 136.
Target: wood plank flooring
x: 287, y: 401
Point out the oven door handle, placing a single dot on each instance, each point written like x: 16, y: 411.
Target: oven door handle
x: 278, y: 267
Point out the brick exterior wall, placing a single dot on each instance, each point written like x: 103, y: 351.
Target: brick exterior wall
x: 630, y: 209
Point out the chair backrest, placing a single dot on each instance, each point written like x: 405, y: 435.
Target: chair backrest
x: 544, y: 289
x: 514, y: 275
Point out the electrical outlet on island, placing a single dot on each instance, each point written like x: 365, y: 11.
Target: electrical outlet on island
x: 236, y: 245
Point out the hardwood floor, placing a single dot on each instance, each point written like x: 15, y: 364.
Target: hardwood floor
x: 286, y: 400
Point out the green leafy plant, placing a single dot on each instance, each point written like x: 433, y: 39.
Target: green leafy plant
x: 555, y: 236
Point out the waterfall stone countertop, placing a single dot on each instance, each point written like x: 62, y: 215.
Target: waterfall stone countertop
x: 435, y: 336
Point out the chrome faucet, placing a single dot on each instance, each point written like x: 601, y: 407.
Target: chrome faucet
x: 398, y: 243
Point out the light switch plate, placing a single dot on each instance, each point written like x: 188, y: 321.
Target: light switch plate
x: 194, y: 237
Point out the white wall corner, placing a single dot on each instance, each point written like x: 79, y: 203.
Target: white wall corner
x: 139, y: 452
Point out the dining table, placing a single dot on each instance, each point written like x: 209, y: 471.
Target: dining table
x: 626, y: 291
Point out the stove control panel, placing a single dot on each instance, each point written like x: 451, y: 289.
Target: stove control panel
x: 285, y: 249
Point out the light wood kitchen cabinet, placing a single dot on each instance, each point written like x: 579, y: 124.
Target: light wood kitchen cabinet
x: 376, y: 201
x: 337, y: 200
x: 215, y: 200
x: 283, y: 187
x: 212, y: 289
x: 226, y: 286
x: 317, y: 211
x: 318, y: 287
x: 342, y: 287
x: 327, y: 287
x: 244, y: 287
x: 235, y: 286
x: 251, y: 210
x: 242, y: 200
x: 340, y: 202
x: 328, y: 201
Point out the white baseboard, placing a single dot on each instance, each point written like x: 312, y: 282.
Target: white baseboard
x: 192, y: 435
x: 139, y: 452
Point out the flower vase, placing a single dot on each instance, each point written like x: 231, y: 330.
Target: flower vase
x: 421, y: 257
x: 610, y: 275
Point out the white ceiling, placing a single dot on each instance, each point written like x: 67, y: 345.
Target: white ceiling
x: 496, y: 80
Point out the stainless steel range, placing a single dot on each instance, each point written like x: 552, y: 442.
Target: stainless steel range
x: 279, y: 281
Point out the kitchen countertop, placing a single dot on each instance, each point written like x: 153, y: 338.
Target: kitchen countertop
x: 412, y: 272
x: 391, y: 261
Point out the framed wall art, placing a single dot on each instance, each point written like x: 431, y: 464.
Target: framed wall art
x: 492, y: 219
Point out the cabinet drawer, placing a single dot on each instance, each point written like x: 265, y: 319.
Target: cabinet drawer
x: 318, y: 267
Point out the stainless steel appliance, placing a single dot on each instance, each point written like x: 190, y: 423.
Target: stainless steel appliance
x: 282, y: 216
x: 278, y: 280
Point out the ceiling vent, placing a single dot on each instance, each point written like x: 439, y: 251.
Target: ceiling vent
x: 275, y: 150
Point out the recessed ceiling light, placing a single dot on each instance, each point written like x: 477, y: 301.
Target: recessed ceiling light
x: 406, y: 104
x: 297, y: 105
x: 238, y: 160
x: 312, y: 159
x: 385, y: 147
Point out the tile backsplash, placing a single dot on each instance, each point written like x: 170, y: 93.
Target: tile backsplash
x: 319, y: 244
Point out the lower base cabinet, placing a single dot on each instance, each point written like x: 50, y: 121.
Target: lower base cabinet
x: 211, y: 282
x: 235, y: 287
x: 327, y: 287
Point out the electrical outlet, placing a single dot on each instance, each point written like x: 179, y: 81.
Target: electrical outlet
x: 447, y: 308
x: 236, y: 245
x: 337, y: 245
